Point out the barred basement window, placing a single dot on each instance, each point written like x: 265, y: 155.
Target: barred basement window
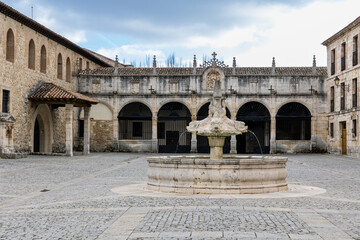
x: 332, y: 130
x: 5, y: 101
x: 354, y: 129
x: 10, y: 46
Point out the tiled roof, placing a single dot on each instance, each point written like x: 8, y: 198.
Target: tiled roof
x: 49, y: 92
x: 21, y: 18
x: 186, y: 71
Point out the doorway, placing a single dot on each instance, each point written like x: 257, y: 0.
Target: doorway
x: 343, y: 138
x: 36, y: 136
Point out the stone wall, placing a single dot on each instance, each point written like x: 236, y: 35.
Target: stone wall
x: 21, y: 81
x: 350, y: 113
x: 289, y: 85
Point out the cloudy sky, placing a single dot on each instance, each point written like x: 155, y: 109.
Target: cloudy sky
x: 252, y: 31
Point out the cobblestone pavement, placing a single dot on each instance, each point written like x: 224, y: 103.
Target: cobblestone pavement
x: 45, y: 197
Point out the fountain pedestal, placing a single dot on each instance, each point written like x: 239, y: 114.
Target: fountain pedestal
x: 216, y: 147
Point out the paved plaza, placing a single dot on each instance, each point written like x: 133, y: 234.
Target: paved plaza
x: 103, y: 196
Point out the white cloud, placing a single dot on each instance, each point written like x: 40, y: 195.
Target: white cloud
x: 132, y: 52
x: 76, y: 37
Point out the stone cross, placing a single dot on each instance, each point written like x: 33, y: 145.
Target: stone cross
x: 214, y: 55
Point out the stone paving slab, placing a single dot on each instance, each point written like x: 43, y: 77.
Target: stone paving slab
x: 81, y: 205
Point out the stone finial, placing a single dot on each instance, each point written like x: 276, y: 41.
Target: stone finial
x: 194, y: 65
x: 234, y: 66
x: 273, y: 66
x: 116, y: 67
x: 154, y: 65
x: 314, y: 65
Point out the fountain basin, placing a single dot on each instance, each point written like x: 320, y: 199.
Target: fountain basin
x: 230, y: 175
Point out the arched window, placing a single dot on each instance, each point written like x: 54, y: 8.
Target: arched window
x: 68, y: 70
x: 31, y: 55
x: 43, y: 59
x: 293, y: 122
x: 10, y: 46
x: 59, y: 67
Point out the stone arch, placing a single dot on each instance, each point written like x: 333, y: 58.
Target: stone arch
x: 256, y: 117
x: 166, y: 101
x: 293, y: 122
x: 43, y: 118
x: 135, y: 121
x: 173, y: 118
x: 31, y: 55
x: 202, y: 141
x: 43, y: 59
x: 10, y: 46
x: 138, y: 101
x: 290, y: 101
x: 59, y: 66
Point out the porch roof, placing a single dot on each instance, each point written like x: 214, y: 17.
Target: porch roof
x: 50, y: 93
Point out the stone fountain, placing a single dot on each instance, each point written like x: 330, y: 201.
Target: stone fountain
x: 217, y: 174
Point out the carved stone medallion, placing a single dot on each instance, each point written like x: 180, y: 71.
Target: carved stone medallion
x: 211, y: 78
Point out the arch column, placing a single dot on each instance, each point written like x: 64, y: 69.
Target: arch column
x: 273, y: 134
x: 87, y: 130
x: 154, y: 140
x: 193, y: 148
x: 69, y: 132
x: 233, y: 149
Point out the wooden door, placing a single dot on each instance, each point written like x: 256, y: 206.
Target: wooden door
x: 343, y: 135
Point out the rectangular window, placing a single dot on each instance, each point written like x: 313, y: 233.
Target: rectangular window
x: 342, y: 97
x: 355, y: 50
x: 332, y: 96
x: 5, y: 101
x: 161, y: 130
x: 137, y: 129
x: 333, y: 58
x: 332, y: 130
x: 343, y: 56
x: 354, y: 128
x: 354, y: 92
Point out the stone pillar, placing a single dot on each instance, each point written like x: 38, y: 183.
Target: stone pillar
x: 69, y: 130
x: 87, y: 130
x: 154, y: 140
x: 273, y: 135
x: 233, y: 149
x: 193, y: 143
x: 193, y: 148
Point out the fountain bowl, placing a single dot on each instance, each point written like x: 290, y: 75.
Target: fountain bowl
x: 234, y: 174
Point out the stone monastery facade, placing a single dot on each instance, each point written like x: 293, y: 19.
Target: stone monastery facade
x: 57, y: 97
